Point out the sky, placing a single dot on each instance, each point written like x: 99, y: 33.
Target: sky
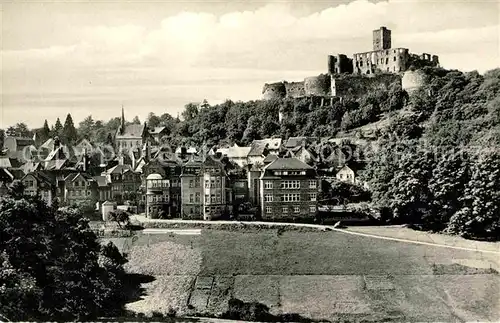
x: 92, y: 57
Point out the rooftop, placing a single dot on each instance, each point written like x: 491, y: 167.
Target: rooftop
x: 288, y: 163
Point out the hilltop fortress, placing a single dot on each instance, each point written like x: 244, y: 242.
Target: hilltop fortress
x: 347, y: 76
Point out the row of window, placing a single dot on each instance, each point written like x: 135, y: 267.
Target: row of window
x: 367, y: 55
x: 194, y: 183
x: 79, y: 193
x: 212, y: 198
x: 78, y: 183
x: 157, y: 198
x: 158, y: 183
x: 294, y: 209
x: 279, y: 173
x: 289, y: 197
x: 289, y: 184
x: 213, y: 183
x: 125, y: 144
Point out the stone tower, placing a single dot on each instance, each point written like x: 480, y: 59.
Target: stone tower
x: 381, y: 39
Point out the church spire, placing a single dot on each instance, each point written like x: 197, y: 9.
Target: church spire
x: 123, y: 121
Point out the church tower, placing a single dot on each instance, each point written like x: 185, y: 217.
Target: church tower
x: 122, y: 125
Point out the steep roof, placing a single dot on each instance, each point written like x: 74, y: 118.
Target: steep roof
x: 101, y: 181
x: 131, y: 131
x: 258, y: 147
x: 293, y: 142
x: 23, y: 141
x: 71, y: 177
x: 119, y: 169
x: 157, y: 130
x: 6, y: 162
x: 270, y: 158
x: 288, y: 163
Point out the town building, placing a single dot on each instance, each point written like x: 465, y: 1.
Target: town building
x: 161, y: 187
x: 80, y: 188
x: 40, y: 184
x: 288, y: 190
x: 131, y: 136
x: 124, y: 181
x: 259, y: 149
x: 205, y: 189
x: 20, y: 148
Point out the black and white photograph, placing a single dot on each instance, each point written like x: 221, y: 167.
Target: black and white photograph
x: 250, y: 161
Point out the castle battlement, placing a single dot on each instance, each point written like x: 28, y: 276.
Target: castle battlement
x: 383, y: 59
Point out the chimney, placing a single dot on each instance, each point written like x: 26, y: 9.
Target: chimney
x: 84, y: 159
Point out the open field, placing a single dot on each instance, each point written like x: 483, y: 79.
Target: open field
x: 321, y: 275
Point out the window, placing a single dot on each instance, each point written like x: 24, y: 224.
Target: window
x: 387, y: 60
x: 197, y: 197
x: 207, y: 198
x: 88, y: 193
x: 290, y: 184
x: 77, y: 183
x: 218, y: 182
x: 218, y: 198
x: 290, y: 198
x: 268, y: 198
x: 296, y: 209
x: 269, y: 209
x: 191, y: 198
x: 197, y: 209
x: 284, y: 209
x: 268, y: 185
x: 212, y: 183
x: 394, y: 58
x: 313, y: 184
x: 341, y: 176
x: 191, y: 210
x: 312, y: 209
x: 303, y: 172
x: 312, y: 197
x: 212, y: 198
x: 191, y: 183
x: 197, y: 183
x: 207, y: 183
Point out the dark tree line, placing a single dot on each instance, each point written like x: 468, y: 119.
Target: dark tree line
x: 435, y: 168
x: 52, y: 266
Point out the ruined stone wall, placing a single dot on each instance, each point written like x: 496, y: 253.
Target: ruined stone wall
x: 318, y: 85
x: 339, y: 64
x: 413, y: 80
x: 295, y: 89
x: 273, y: 91
x: 353, y: 86
x: 394, y: 60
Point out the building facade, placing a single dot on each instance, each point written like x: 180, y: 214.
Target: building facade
x: 288, y: 190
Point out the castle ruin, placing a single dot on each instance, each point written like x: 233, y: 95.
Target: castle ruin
x: 383, y: 59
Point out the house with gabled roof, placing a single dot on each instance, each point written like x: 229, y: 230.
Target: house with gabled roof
x: 42, y: 184
x: 259, y: 149
x: 20, y: 148
x: 131, y: 136
x: 80, y: 187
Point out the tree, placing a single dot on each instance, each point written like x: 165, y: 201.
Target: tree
x: 69, y: 133
x: 190, y: 112
x: 57, y: 131
x: 153, y: 120
x: 44, y: 133
x: 121, y: 217
x: 86, y: 127
x: 479, y: 215
x: 55, y: 272
x: 19, y: 130
x: 136, y: 120
x: 2, y: 137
